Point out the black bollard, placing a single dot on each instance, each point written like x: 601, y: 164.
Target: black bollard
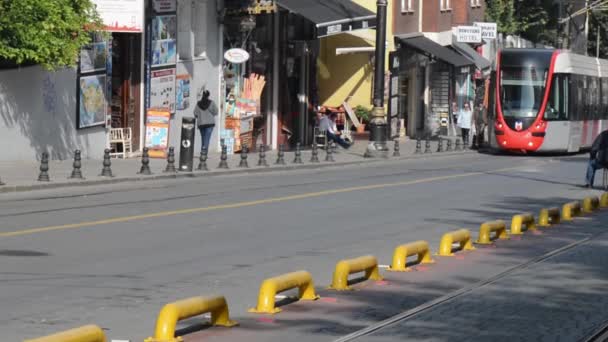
x: 458, y: 147
x: 202, y: 160
x: 280, y: 156
x: 170, y: 161
x: 298, y: 154
x: 396, y: 151
x: 329, y: 156
x: 44, y: 168
x: 106, y: 171
x: 427, y: 146
x: 145, y: 163
x: 77, y: 166
x: 314, y: 158
x: 418, y: 146
x: 262, y: 160
x: 244, y: 155
x: 223, y: 158
x: 440, y: 146
x: 449, y: 145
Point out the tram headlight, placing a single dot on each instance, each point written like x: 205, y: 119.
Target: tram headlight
x: 530, y: 144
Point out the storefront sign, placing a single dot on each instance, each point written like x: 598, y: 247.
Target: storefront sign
x: 92, y: 100
x: 236, y: 56
x: 165, y: 6
x: 183, y: 92
x: 468, y: 34
x: 121, y: 15
x: 162, y: 89
x: 488, y: 30
x: 157, y: 132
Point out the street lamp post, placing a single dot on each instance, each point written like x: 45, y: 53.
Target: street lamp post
x: 377, y: 146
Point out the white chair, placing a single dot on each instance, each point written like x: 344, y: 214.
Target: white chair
x: 122, y: 137
x: 320, y: 137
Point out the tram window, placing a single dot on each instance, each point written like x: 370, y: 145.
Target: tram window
x: 557, y: 106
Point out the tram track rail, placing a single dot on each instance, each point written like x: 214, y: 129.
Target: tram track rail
x: 599, y: 335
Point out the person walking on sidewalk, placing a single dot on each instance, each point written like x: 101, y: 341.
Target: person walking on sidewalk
x: 205, y: 113
x: 328, y: 124
x: 598, y: 158
x: 464, y: 122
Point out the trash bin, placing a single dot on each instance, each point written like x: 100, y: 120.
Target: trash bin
x: 186, y: 150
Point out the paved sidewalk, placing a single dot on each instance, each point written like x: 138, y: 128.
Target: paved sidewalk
x: 535, y: 296
x: 23, y: 176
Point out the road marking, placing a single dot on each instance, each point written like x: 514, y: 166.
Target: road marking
x: 245, y: 204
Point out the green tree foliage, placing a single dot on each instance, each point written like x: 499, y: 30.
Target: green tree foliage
x: 526, y: 18
x: 46, y: 32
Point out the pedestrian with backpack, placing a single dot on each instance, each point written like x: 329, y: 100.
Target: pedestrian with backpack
x: 598, y: 157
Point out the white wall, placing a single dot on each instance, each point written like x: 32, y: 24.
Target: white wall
x: 38, y: 114
x: 204, y: 70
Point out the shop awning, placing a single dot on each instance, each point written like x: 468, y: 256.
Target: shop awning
x: 480, y: 62
x: 428, y: 47
x: 332, y: 16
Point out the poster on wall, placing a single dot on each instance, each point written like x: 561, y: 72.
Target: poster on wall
x: 164, y: 6
x: 183, y: 92
x: 162, y: 89
x: 92, y: 100
x: 164, y: 33
x: 121, y: 15
x: 157, y: 132
x: 93, y: 57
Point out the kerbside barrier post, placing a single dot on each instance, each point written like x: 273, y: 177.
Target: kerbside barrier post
x: 590, y: 204
x: 270, y: 287
x: 87, y: 333
x: 174, y: 312
x: 462, y: 236
x: 344, y: 268
x: 521, y: 220
x: 548, y: 217
x: 419, y: 248
x: 571, y: 210
x: 487, y: 228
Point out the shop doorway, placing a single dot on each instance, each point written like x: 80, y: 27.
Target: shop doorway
x: 126, y: 84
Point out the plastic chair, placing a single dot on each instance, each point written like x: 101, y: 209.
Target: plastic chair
x: 320, y: 137
x: 123, y: 137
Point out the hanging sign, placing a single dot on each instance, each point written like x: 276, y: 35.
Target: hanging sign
x: 164, y: 6
x: 488, y: 30
x: 236, y: 56
x: 121, y: 15
x: 468, y: 34
x: 162, y: 89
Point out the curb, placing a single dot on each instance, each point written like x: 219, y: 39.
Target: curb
x: 199, y: 174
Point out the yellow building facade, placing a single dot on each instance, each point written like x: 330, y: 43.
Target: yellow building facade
x: 348, y: 76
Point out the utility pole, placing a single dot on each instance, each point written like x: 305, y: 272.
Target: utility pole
x: 377, y: 146
x: 586, y: 27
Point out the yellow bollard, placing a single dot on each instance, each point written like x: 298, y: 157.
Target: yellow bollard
x: 344, y: 268
x: 604, y: 200
x: 462, y: 236
x: 171, y: 313
x: 571, y: 210
x: 419, y: 248
x: 548, y: 217
x: 590, y: 204
x: 270, y: 287
x: 87, y: 333
x: 486, y: 229
x: 520, y: 220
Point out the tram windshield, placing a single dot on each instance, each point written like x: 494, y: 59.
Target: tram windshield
x: 522, y: 91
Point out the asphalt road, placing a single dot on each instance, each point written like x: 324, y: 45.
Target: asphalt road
x: 113, y: 255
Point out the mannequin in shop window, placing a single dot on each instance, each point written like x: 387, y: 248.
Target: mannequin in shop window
x: 205, y: 113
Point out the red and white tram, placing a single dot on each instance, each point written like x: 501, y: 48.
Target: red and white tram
x: 549, y: 100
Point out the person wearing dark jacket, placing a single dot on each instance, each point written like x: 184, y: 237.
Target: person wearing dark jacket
x: 597, y: 157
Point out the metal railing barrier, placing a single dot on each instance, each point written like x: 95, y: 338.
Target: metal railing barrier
x: 344, y: 268
x: 462, y: 236
x: 487, y: 228
x: 419, y: 248
x: 87, y: 333
x: 518, y: 221
x: 270, y: 287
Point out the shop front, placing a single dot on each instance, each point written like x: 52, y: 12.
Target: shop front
x: 271, y: 97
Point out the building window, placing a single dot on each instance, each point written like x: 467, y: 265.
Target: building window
x: 445, y: 5
x: 475, y: 3
x: 406, y: 6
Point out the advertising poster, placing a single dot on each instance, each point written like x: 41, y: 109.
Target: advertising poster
x: 183, y: 92
x: 92, y: 101
x: 121, y: 15
x: 157, y: 132
x: 164, y: 33
x: 93, y: 57
x: 162, y: 89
